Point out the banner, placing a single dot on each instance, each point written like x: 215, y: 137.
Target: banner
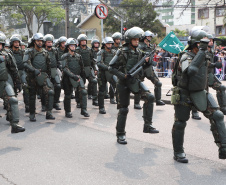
x: 171, y: 43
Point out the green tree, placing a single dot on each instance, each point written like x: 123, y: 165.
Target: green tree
x: 20, y: 11
x: 136, y: 13
x: 180, y: 33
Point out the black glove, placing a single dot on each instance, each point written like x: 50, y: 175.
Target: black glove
x: 60, y: 67
x: 218, y: 65
x: 204, y: 44
x: 76, y: 77
x: 18, y: 88
x: 37, y: 72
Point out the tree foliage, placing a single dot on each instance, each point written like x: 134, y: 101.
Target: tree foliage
x: 23, y: 11
x: 136, y: 13
x: 180, y: 33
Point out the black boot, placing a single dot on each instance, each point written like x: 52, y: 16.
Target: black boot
x: 137, y: 106
x: 95, y: 103
x: 43, y: 108
x: 68, y: 115
x: 78, y: 105
x: 27, y: 110
x: 102, y: 111
x: 121, y: 139
x: 112, y: 101
x: 181, y: 158
x: 72, y: 96
x: 56, y: 106
x: 148, y: 128
x: 84, y: 113
x: 32, y: 117
x: 195, y: 115
x: 159, y: 102
x: 49, y: 115
x: 17, y: 128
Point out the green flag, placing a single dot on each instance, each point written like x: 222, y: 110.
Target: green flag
x: 171, y: 43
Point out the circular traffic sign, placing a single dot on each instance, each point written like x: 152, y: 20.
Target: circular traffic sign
x: 101, y: 11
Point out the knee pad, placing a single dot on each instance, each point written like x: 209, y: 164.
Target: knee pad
x: 218, y: 115
x: 13, y: 100
x: 123, y: 111
x: 58, y: 86
x: 158, y: 84
x: 179, y: 125
x: 84, y: 92
x: 150, y: 97
x: 222, y: 88
x: 51, y: 92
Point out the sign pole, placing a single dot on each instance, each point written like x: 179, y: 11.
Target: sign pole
x: 102, y: 30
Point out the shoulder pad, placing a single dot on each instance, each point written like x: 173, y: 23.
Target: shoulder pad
x: 141, y: 45
x: 100, y: 52
x: 77, y: 55
x: 125, y: 49
x: 184, y: 57
x: 28, y: 50
x: 64, y: 56
x: 88, y: 48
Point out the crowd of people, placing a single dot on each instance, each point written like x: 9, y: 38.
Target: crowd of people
x: 45, y: 67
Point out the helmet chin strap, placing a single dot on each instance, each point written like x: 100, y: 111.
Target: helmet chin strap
x: 16, y: 47
x: 38, y: 45
x: 71, y: 50
x: 49, y: 46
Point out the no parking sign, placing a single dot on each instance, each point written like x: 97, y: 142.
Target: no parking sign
x: 101, y: 11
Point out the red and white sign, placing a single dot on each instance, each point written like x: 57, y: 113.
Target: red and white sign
x: 101, y: 11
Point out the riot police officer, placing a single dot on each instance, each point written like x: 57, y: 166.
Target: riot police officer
x: 9, y: 85
x: 95, y: 43
x: 125, y: 60
x: 18, y: 54
x: 23, y: 46
x: 37, y: 63
x: 103, y: 58
x: 73, y: 69
x: 61, y: 47
x: 89, y: 66
x: 117, y: 39
x: 149, y: 73
x: 189, y: 80
x: 55, y: 77
x: 213, y: 82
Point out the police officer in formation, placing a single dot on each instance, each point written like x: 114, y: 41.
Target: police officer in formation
x: 55, y: 64
x: 124, y: 60
x: 18, y: 54
x: 89, y: 67
x: 73, y: 71
x: 103, y: 58
x: 10, y: 85
x: 38, y: 65
x: 190, y: 80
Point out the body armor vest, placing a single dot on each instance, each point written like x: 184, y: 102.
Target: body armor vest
x: 132, y: 58
x: 107, y: 56
x: 39, y: 62
x: 74, y: 64
x: 59, y: 53
x: 53, y: 59
x: 94, y: 53
x: 3, y: 69
x: 196, y: 82
x: 18, y: 55
x: 85, y: 53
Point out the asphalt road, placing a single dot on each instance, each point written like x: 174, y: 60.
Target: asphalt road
x: 84, y: 150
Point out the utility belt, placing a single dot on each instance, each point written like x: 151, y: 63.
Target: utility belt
x: 180, y: 97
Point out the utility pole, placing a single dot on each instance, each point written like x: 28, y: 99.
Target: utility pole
x: 67, y: 23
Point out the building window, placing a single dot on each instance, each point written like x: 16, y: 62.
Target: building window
x: 220, y: 12
x: 220, y: 30
x: 203, y: 13
x: 192, y: 21
x: 90, y: 34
